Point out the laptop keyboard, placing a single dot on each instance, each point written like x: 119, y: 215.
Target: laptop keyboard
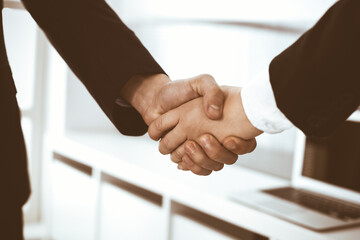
x: 330, y: 206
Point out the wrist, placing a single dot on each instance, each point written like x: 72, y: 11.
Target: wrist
x: 141, y: 90
x: 235, y: 113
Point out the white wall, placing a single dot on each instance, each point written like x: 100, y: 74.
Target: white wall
x: 188, y: 38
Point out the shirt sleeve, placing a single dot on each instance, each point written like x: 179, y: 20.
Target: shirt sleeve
x: 260, y: 106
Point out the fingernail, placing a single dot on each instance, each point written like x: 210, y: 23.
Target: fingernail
x: 190, y: 148
x: 231, y: 145
x: 180, y: 167
x: 217, y: 108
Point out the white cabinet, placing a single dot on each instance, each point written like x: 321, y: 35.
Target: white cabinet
x: 128, y: 213
x: 184, y: 228
x: 73, y: 202
x: 190, y: 223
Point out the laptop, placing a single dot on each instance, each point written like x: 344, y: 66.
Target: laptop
x: 324, y: 192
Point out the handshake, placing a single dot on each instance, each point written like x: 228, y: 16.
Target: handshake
x: 203, y: 126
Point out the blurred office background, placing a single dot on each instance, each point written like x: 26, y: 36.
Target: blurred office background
x: 88, y: 181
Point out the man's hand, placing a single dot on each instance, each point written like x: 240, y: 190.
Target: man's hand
x: 190, y: 122
x: 154, y: 95
x: 207, y: 154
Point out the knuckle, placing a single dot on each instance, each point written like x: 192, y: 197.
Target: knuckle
x: 197, y: 170
x: 253, y: 146
x: 176, y: 156
x: 205, y: 139
x: 158, y: 123
x: 186, y: 159
x: 164, y: 147
x: 232, y: 160
x: 173, y: 158
x: 162, y: 151
x: 201, y: 162
x: 190, y: 147
x: 208, y: 143
x: 207, y: 77
x: 215, y: 153
x: 184, y: 166
x: 151, y: 133
x: 241, y: 150
x: 206, y: 173
x: 149, y: 115
x: 219, y: 167
x: 200, y: 171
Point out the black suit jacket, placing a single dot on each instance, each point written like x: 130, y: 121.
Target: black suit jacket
x: 99, y: 49
x: 316, y: 81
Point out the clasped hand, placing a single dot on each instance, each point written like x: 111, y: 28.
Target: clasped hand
x: 200, y: 124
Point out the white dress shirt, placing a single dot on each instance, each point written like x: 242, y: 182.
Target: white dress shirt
x: 260, y: 106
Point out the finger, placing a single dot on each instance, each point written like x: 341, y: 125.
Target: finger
x: 215, y: 151
x: 239, y: 146
x: 182, y: 166
x: 163, y: 124
x: 179, y: 92
x: 176, y: 156
x: 198, y: 156
x: 172, y: 140
x: 194, y: 167
x: 214, y: 97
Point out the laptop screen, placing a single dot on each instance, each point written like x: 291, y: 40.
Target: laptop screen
x: 336, y: 159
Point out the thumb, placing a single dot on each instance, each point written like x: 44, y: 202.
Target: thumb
x: 179, y: 92
x: 206, y: 86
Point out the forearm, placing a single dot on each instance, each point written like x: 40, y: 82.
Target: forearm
x: 316, y: 80
x: 99, y: 48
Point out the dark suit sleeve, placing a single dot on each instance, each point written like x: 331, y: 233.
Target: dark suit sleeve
x: 316, y: 81
x: 99, y: 49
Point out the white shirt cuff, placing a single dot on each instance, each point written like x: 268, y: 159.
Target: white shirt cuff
x: 260, y: 106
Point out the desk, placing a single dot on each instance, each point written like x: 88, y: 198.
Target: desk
x: 135, y: 161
